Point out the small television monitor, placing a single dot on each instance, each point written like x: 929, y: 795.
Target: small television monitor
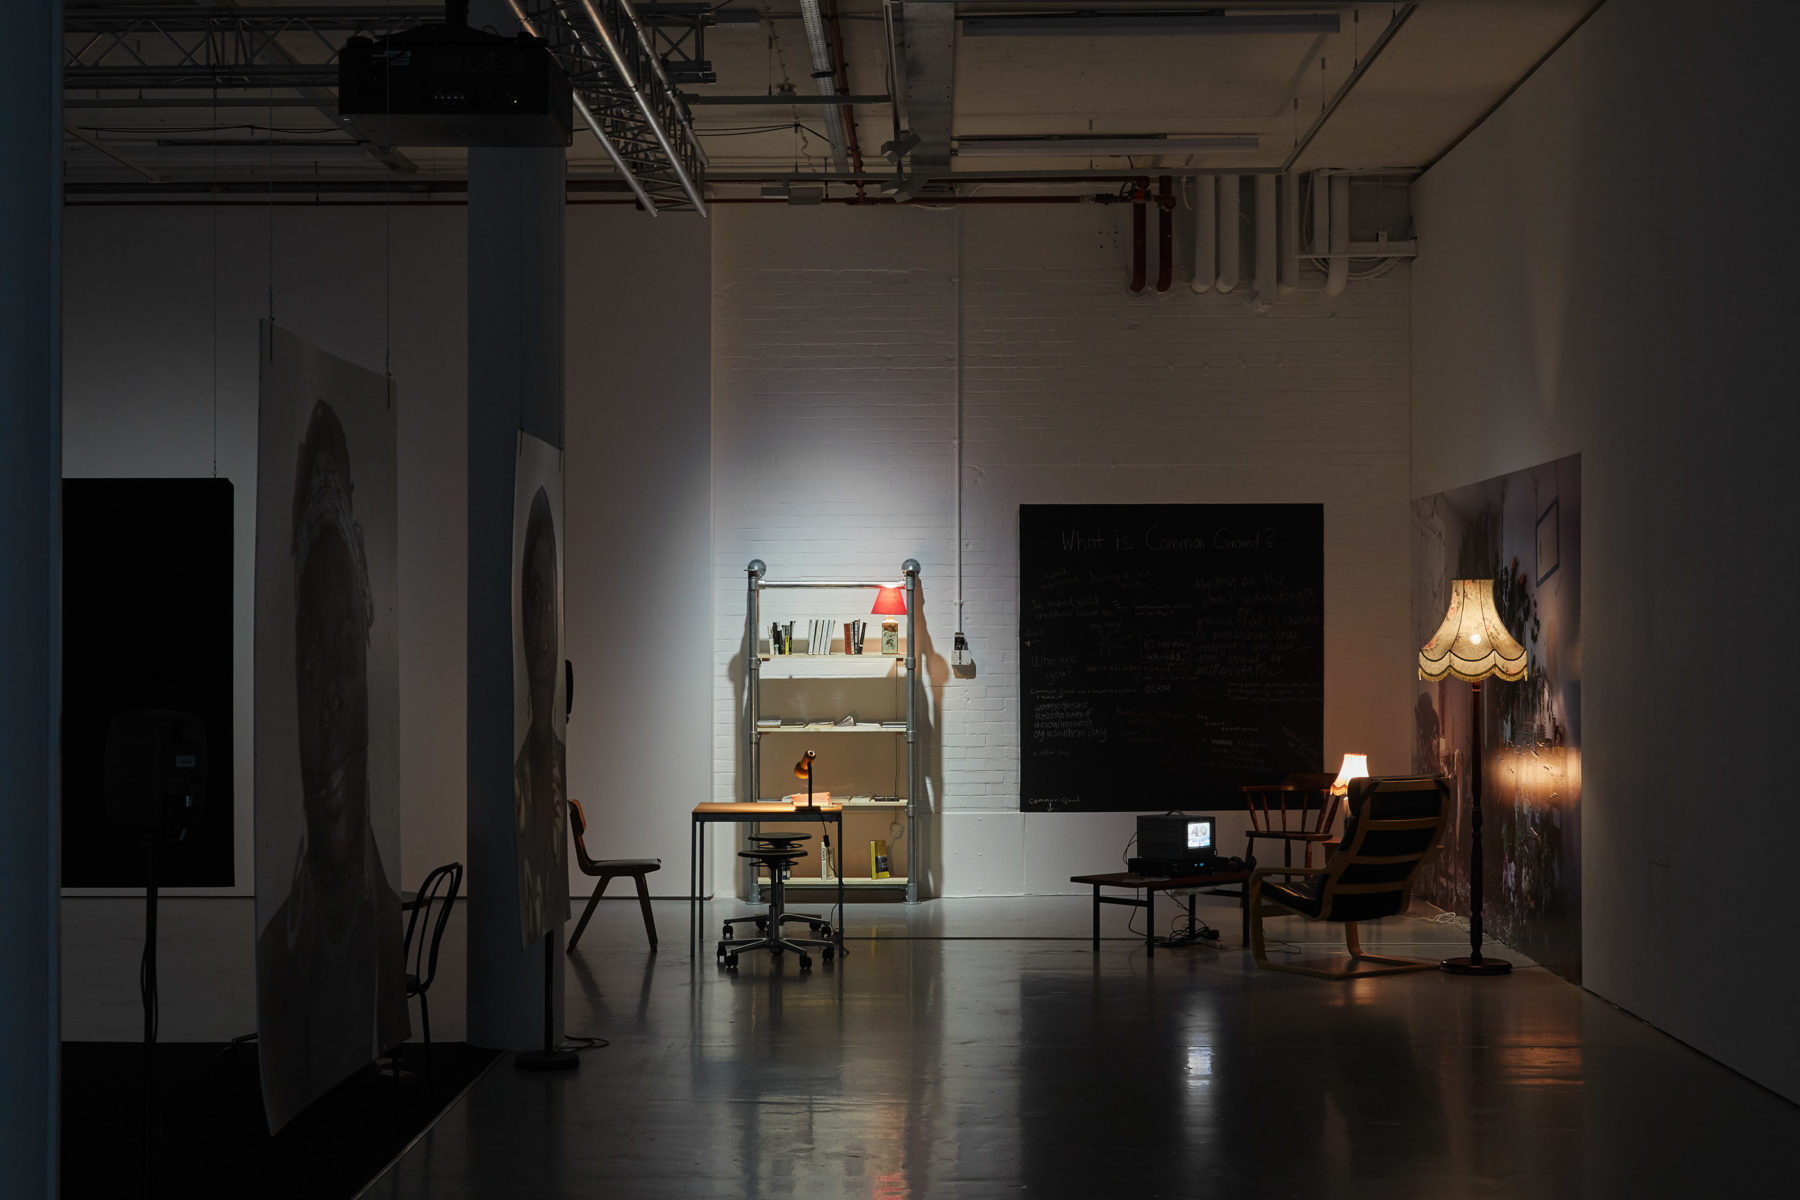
x: 1177, y: 837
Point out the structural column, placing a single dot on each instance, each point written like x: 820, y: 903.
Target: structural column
x: 30, y: 599
x: 515, y: 382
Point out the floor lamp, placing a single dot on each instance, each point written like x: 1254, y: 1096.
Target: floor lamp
x: 1472, y: 644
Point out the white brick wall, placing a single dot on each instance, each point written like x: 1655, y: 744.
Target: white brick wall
x: 835, y: 374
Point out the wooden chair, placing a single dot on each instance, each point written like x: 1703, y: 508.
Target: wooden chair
x: 439, y: 890
x: 605, y: 870
x: 1299, y: 809
x: 1395, y: 824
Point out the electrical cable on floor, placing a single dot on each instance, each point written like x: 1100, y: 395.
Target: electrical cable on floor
x: 579, y: 1042
x: 1194, y: 932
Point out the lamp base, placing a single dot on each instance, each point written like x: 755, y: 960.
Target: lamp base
x: 1477, y: 966
x: 546, y: 1060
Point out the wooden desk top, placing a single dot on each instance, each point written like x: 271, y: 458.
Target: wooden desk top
x: 760, y: 808
x: 1160, y: 882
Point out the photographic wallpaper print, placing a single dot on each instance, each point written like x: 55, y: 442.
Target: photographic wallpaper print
x: 1523, y: 531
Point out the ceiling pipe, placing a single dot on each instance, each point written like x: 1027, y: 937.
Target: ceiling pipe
x: 841, y: 65
x: 1337, y: 273
x: 824, y: 76
x: 1265, y: 239
x: 1320, y: 240
x: 1229, y: 251
x: 1137, y: 238
x: 1290, y: 232
x: 1206, y: 220
x: 1165, y: 233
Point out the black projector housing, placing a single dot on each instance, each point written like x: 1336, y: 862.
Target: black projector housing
x: 449, y: 85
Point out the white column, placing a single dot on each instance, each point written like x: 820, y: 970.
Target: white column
x: 30, y: 599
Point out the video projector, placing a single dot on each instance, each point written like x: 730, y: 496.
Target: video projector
x: 450, y: 85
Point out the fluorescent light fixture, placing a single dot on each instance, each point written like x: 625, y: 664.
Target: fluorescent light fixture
x: 1146, y: 23
x: 1102, y: 146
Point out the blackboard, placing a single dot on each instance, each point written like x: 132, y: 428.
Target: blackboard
x: 1168, y: 653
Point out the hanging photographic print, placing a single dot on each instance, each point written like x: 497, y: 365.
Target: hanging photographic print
x: 540, y: 791
x: 330, y: 988
x: 1523, y: 531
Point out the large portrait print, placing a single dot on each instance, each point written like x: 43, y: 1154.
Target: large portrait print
x: 330, y: 989
x: 540, y: 790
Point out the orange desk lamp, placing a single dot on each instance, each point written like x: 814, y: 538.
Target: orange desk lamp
x: 804, y: 770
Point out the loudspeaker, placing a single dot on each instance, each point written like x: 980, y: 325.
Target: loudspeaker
x: 155, y: 773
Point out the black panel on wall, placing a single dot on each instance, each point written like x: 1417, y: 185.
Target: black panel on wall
x: 1168, y: 653
x: 147, y: 623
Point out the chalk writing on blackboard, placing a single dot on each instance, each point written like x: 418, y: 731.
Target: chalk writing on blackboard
x: 1168, y: 654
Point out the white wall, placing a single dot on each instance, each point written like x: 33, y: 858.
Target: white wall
x: 162, y: 302
x: 1604, y: 270
x: 839, y: 339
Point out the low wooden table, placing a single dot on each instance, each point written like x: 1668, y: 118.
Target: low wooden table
x: 1149, y: 885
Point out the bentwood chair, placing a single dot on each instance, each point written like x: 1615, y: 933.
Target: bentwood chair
x: 421, y: 957
x: 1298, y: 810
x: 1395, y: 824
x: 604, y: 871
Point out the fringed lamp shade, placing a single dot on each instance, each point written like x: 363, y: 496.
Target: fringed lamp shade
x: 1356, y: 766
x: 1472, y: 643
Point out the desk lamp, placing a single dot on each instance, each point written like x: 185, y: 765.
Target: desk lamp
x: 1473, y: 644
x: 1356, y: 766
x: 803, y: 770
x: 890, y: 602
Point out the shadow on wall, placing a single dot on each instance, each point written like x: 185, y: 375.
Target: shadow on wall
x: 928, y: 815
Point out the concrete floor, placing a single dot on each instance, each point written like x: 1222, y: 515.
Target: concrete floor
x: 978, y: 1048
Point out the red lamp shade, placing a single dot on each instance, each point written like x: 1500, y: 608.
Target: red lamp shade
x: 889, y: 602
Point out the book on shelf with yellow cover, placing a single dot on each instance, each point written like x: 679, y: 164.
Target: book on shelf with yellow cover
x: 878, y: 860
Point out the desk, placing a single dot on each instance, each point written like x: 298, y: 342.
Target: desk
x: 1149, y: 885
x: 745, y: 813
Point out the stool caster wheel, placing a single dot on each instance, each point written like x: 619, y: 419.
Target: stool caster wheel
x: 805, y: 963
x: 775, y: 950
x: 719, y: 950
x: 726, y: 933
x: 827, y: 953
x: 731, y: 962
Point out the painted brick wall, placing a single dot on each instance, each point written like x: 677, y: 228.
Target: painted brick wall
x: 840, y: 338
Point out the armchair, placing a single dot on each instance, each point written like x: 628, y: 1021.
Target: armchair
x: 1395, y: 824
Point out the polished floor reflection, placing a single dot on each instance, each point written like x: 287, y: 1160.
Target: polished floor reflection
x: 978, y: 1048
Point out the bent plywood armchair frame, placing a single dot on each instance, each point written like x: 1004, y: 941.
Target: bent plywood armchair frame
x: 1397, y: 825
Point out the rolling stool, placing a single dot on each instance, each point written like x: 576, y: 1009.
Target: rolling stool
x: 778, y: 861
x: 781, y: 841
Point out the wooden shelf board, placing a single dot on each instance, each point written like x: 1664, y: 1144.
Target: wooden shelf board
x: 832, y: 666
x: 851, y: 882
x: 765, y: 730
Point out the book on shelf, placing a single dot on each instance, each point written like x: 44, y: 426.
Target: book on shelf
x: 878, y: 859
x: 820, y: 632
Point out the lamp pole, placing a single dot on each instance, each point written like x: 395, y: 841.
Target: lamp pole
x: 1474, y: 963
